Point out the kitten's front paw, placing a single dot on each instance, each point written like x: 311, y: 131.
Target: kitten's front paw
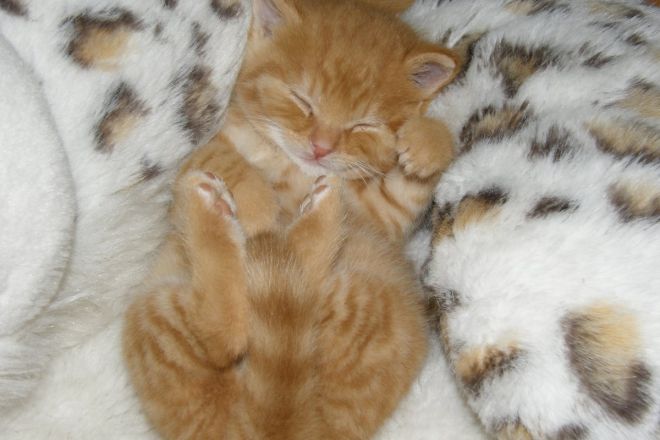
x: 424, y: 146
x: 206, y: 207
x: 319, y: 190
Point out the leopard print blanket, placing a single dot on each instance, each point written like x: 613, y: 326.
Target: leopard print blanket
x: 126, y: 89
x: 543, y: 245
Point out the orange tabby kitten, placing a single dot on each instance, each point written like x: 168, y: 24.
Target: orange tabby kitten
x: 334, y: 87
x: 280, y: 325
x: 308, y: 331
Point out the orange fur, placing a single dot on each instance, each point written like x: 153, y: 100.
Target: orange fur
x: 298, y: 326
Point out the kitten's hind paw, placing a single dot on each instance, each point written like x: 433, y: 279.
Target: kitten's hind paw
x: 214, y: 193
x: 209, y: 210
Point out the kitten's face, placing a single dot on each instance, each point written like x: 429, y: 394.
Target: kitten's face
x: 329, y: 82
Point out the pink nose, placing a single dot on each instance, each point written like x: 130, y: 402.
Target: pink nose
x: 320, y: 151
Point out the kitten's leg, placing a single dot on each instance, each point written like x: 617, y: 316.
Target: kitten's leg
x: 184, y: 340
x: 425, y: 148
x: 393, y: 204
x: 214, y: 244
x: 258, y: 210
x: 318, y: 233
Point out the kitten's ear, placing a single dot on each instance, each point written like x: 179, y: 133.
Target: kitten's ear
x: 269, y: 14
x: 431, y: 71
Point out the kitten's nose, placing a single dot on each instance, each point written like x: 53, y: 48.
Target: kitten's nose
x: 323, y: 141
x: 320, y: 151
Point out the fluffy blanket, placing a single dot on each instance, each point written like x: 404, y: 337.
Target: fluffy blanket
x: 544, y: 246
x: 100, y: 101
x: 540, y: 253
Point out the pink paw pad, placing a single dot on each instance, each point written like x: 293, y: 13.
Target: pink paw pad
x: 215, y: 194
x: 319, y: 189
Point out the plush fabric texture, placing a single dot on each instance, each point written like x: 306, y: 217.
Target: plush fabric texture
x: 101, y: 101
x: 544, y: 237
x: 540, y: 253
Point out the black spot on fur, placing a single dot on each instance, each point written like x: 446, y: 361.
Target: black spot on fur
x: 537, y: 6
x: 446, y: 301
x: 629, y: 12
x: 571, y: 432
x: 492, y: 196
x: 556, y: 145
x: 635, y: 39
x: 495, y: 124
x: 517, y: 62
x: 226, y: 9
x: 201, y: 111
x: 199, y: 39
x: 170, y: 4
x: 149, y: 170
x: 122, y: 108
x: 551, y: 205
x: 597, y: 61
x: 13, y: 7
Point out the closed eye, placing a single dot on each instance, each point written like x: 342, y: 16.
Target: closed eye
x: 303, y: 103
x: 366, y: 126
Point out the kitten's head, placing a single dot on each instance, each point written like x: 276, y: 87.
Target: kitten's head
x: 331, y: 81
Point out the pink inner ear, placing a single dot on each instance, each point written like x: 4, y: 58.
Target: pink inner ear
x: 433, y: 74
x: 267, y: 15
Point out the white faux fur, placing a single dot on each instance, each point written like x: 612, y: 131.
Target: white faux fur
x: 173, y: 78
x: 36, y: 219
x: 517, y: 277
x: 513, y: 279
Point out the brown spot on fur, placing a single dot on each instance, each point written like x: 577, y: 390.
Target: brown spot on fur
x: 490, y: 123
x: 604, y: 347
x: 557, y: 144
x: 531, y: 7
x: 99, y: 40
x: 199, y: 39
x: 571, y: 432
x: 226, y: 9
x: 465, y: 50
x: 438, y: 309
x: 201, y: 110
x: 512, y: 430
x: 443, y: 223
x: 478, y: 365
x: 170, y: 4
x: 638, y: 201
x: 551, y: 205
x: 615, y: 10
x: 644, y: 98
x: 123, y: 111
x: 517, y: 63
x: 476, y: 208
x: 634, y: 141
x: 13, y: 7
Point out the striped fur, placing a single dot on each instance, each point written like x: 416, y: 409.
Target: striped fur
x: 290, y: 327
x: 274, y: 336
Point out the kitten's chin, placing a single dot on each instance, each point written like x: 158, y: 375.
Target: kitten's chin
x: 307, y: 166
